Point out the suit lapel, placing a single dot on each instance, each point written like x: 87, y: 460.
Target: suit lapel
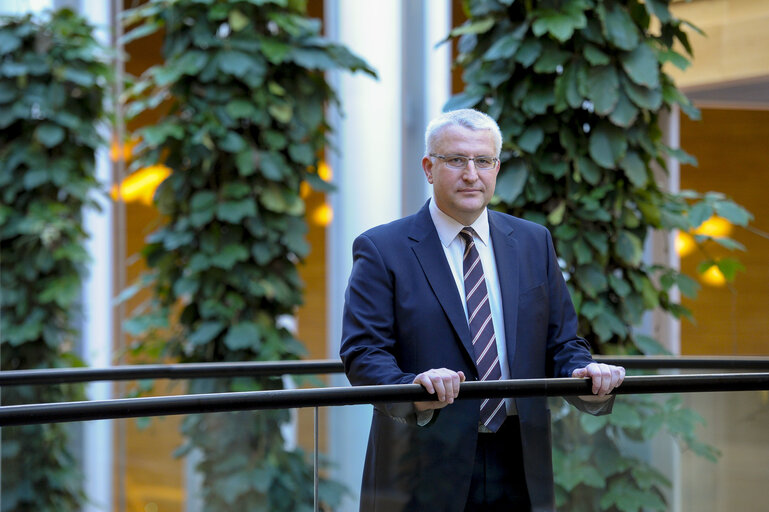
x: 429, y: 252
x: 506, y: 257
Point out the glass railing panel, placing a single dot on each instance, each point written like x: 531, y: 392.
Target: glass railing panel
x: 264, y: 460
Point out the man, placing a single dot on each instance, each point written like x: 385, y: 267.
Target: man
x: 459, y: 292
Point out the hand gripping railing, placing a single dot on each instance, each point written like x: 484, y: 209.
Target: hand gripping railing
x: 323, y: 366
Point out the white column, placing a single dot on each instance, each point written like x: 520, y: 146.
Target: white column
x: 437, y: 65
x: 21, y: 7
x: 365, y: 156
x: 98, y: 295
x: 666, y: 455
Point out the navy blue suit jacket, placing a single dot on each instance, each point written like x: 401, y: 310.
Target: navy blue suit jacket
x: 403, y: 315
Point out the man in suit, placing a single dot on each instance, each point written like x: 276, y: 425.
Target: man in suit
x: 459, y: 292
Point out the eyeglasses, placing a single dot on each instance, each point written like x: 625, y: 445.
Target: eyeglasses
x: 459, y: 162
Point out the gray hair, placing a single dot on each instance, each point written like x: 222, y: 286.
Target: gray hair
x: 467, y: 118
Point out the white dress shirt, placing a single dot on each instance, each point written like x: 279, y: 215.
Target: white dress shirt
x: 454, y: 248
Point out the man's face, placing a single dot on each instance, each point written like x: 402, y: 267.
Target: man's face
x: 462, y: 194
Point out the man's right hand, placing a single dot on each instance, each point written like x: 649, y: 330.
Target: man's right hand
x: 441, y: 381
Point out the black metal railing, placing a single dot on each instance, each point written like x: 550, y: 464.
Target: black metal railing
x: 321, y: 397
x: 325, y: 366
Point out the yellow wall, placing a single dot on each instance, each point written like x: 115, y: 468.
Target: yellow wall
x: 736, y: 44
x: 731, y: 146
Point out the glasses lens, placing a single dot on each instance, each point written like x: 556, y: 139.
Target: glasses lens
x: 484, y: 162
x: 456, y: 162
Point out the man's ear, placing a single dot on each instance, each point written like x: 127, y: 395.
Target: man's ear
x: 427, y: 167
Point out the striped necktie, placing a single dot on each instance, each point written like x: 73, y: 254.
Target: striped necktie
x: 493, y: 411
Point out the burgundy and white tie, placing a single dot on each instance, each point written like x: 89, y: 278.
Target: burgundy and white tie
x: 493, y: 411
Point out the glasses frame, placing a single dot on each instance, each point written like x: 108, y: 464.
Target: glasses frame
x: 467, y: 160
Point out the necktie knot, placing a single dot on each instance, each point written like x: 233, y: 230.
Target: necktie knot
x: 467, y: 234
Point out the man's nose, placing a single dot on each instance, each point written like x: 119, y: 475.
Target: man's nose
x: 470, y: 173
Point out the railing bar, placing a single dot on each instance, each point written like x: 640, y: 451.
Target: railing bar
x: 294, y: 398
x: 316, y: 467
x: 324, y: 366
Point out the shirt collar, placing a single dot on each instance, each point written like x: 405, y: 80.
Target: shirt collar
x: 448, y: 228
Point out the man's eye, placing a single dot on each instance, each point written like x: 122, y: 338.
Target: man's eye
x: 457, y: 161
x: 484, y: 162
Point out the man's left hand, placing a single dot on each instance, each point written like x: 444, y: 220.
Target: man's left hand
x: 605, y: 378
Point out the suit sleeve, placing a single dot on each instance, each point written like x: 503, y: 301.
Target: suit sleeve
x: 566, y: 351
x: 369, y: 348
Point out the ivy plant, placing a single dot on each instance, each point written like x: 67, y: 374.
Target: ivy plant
x: 53, y: 83
x: 242, y: 94
x: 578, y: 88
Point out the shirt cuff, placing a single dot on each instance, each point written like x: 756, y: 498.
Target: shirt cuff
x: 424, y: 417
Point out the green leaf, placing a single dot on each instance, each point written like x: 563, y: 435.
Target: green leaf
x: 641, y: 66
x: 503, y: 48
x: 699, y: 213
x: 566, y: 89
x: 688, y: 286
x: 619, y: 285
x: 237, y: 20
x: 528, y: 52
x: 473, y: 27
x: 275, y: 50
x: 273, y: 165
x: 591, y: 279
x: 35, y: 177
x: 282, y: 112
x: 530, y: 139
x: 648, y: 477
x: 511, y: 180
x: 232, y: 142
x: 675, y: 58
x: 281, y: 201
x: 228, y: 256
x: 649, y: 346
x: 618, y: 26
x: 203, y: 201
x: 8, y: 42
x: 235, y: 211
x: 244, y: 335
x: 595, y: 55
x: 658, y: 8
x: 628, y: 248
x: 588, y: 170
x: 733, y: 212
x: 623, y: 495
x: 607, y: 145
x: 302, y: 153
x: 560, y: 24
x: 49, y: 135
x: 592, y: 424
x: 603, y: 89
x: 624, y: 113
x: 729, y: 268
x: 205, y: 332
x: 61, y: 290
x: 646, y: 98
x: 236, y: 63
x: 245, y: 161
x: 551, y: 59
x: 556, y: 215
x: 635, y: 169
